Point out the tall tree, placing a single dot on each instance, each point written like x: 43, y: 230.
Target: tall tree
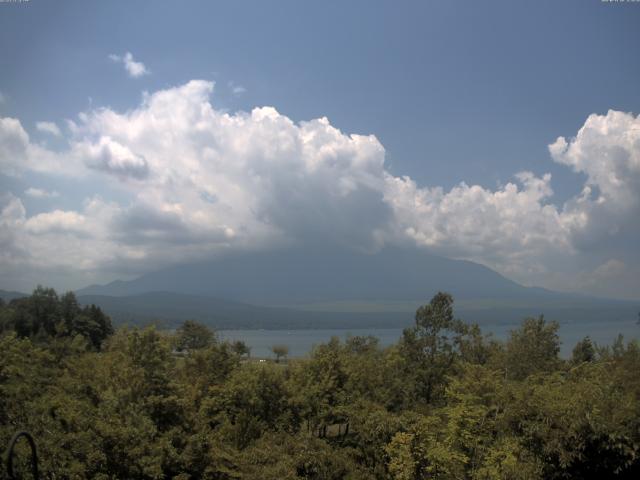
x: 192, y: 335
x: 241, y: 349
x: 431, y: 347
x: 584, y: 351
x: 533, y: 348
x: 280, y: 351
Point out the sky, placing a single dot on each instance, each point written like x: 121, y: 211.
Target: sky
x: 138, y: 135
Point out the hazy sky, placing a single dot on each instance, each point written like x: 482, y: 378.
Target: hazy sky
x: 136, y: 135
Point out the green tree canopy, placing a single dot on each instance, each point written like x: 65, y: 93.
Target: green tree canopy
x: 280, y: 351
x: 192, y: 335
x: 533, y: 348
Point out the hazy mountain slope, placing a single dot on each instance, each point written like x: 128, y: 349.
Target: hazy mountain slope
x: 170, y: 309
x: 301, y: 276
x: 7, y: 295
x: 336, y: 289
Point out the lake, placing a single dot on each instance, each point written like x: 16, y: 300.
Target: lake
x: 301, y: 342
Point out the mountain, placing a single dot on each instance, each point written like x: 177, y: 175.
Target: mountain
x: 7, y: 295
x: 320, y: 288
x: 308, y: 276
x: 171, y: 309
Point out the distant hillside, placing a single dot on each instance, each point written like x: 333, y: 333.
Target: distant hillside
x: 307, y: 276
x: 171, y: 309
x: 336, y: 289
x: 168, y: 310
x: 7, y: 296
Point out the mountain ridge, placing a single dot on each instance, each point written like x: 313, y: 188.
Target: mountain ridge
x: 337, y: 289
x: 303, y: 276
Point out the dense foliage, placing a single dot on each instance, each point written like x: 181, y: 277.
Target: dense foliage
x: 445, y: 402
x: 44, y: 316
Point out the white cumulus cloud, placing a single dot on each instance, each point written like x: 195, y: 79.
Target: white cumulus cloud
x: 200, y: 181
x: 134, y: 69
x: 607, y: 150
x: 511, y: 229
x: 112, y: 157
x: 57, y: 221
x: 19, y: 154
x: 14, y: 142
x: 40, y: 193
x: 236, y: 89
x: 49, y: 127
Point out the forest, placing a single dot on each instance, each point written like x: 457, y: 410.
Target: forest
x: 445, y: 402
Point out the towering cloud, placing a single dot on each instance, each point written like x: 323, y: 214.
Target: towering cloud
x: 607, y: 151
x: 194, y: 181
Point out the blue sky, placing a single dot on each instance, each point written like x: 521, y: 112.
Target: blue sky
x: 454, y: 92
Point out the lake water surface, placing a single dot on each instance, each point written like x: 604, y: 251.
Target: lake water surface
x: 301, y: 342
